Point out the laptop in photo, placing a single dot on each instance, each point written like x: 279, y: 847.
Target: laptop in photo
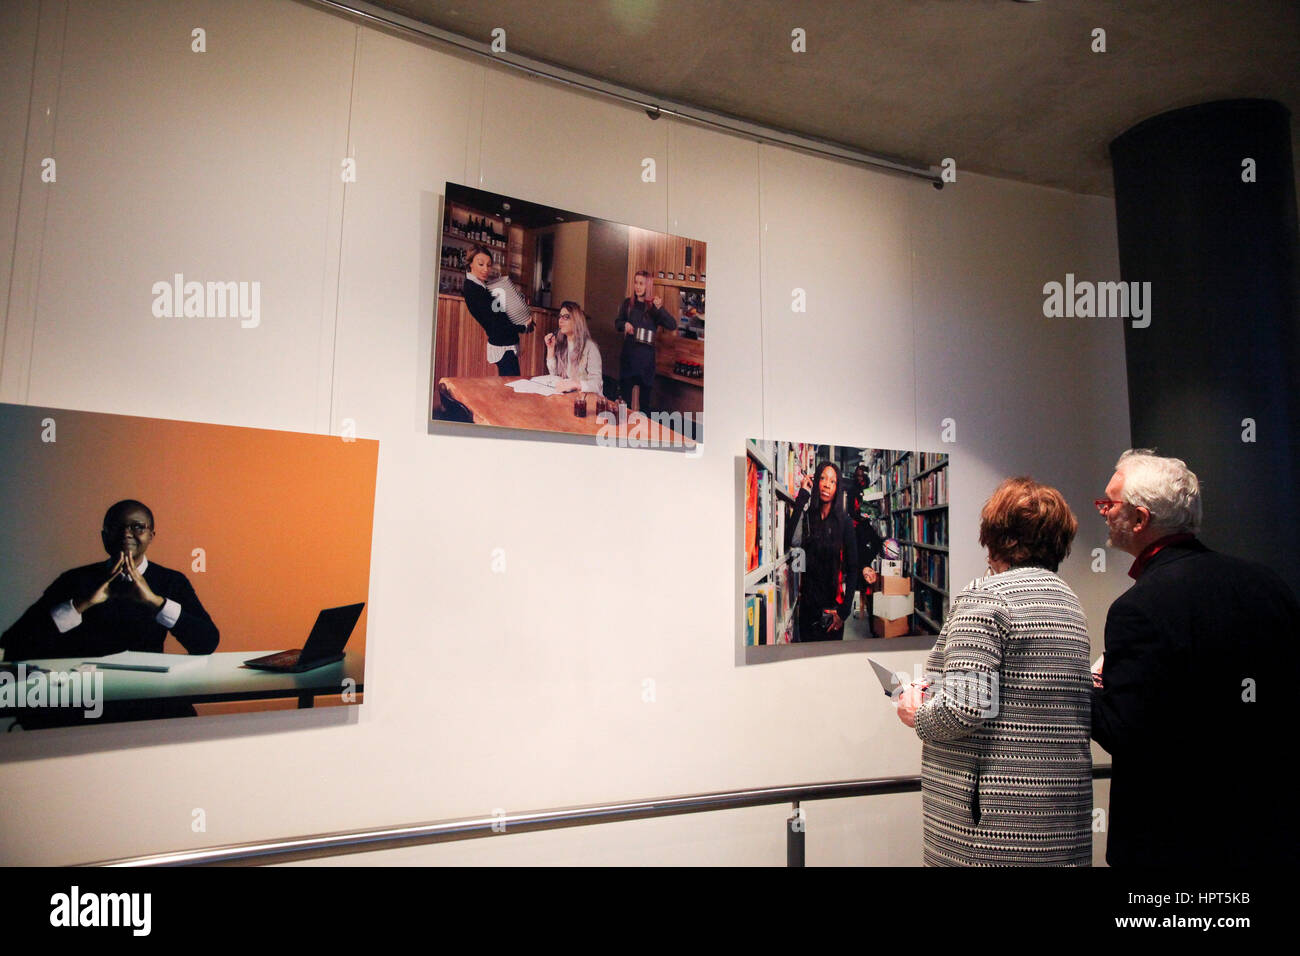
x: 324, y: 645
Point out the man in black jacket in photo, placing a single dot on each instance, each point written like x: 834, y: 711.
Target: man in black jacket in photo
x: 127, y: 603
x: 1190, y: 695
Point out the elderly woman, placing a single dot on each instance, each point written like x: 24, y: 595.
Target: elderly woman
x: 1006, y: 767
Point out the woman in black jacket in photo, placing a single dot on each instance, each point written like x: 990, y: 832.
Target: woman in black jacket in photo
x: 825, y: 533
x: 502, y: 334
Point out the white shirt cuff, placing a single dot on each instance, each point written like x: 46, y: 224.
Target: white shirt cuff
x: 65, y: 617
x: 168, y: 614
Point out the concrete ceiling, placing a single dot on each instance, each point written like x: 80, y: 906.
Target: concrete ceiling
x: 1006, y: 88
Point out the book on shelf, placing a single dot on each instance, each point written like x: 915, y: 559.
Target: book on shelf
x: 931, y: 604
x: 769, y: 617
x: 925, y: 460
x: 931, y: 567
x: 751, y: 514
x: 932, y: 489
x: 930, y: 527
x: 769, y: 612
x: 756, y: 618
x: 785, y: 603
x: 778, y: 541
x: 899, y: 475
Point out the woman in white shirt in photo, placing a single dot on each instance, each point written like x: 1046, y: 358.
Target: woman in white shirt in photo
x: 572, y: 355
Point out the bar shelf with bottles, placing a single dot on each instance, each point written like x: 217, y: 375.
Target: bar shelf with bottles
x: 462, y: 229
x: 677, y: 272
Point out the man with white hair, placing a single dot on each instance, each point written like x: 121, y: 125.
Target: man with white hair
x: 1190, y: 695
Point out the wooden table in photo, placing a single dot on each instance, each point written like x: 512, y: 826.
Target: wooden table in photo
x: 490, y: 402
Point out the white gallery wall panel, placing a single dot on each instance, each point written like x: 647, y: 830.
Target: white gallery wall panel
x: 32, y: 50
x: 837, y: 285
x: 600, y: 661
x: 413, y: 115
x: 1026, y: 394
x: 560, y: 147
x: 18, y: 32
x: 220, y: 166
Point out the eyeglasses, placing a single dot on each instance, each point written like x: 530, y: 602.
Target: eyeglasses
x: 565, y: 315
x: 135, y: 527
x: 1105, y: 504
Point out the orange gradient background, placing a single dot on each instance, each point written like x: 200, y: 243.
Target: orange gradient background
x: 284, y: 519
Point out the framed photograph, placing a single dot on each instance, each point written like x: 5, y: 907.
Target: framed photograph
x: 842, y: 544
x: 175, y: 569
x: 556, y: 321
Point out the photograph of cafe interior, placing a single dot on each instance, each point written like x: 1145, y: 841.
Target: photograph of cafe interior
x: 542, y: 258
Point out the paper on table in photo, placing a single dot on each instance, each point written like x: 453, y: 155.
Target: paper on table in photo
x: 148, y: 661
x: 504, y: 292
x: 541, y: 385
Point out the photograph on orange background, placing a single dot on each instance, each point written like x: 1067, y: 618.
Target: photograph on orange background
x: 557, y: 321
x: 158, y: 568
x: 842, y: 543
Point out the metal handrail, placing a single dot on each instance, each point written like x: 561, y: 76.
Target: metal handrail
x: 470, y: 828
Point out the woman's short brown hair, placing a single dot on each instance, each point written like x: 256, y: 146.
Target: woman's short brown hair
x: 1025, y: 524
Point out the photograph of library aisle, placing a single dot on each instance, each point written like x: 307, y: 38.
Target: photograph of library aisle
x: 905, y: 497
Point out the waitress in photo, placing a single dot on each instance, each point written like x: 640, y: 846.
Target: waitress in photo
x: 502, y: 333
x: 821, y: 527
x: 571, y: 353
x: 639, y: 318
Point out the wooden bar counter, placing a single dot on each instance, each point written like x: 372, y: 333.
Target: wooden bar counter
x: 460, y: 347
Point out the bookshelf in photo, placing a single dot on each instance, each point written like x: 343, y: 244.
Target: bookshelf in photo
x: 915, y: 495
x: 903, y: 495
x: 773, y: 472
